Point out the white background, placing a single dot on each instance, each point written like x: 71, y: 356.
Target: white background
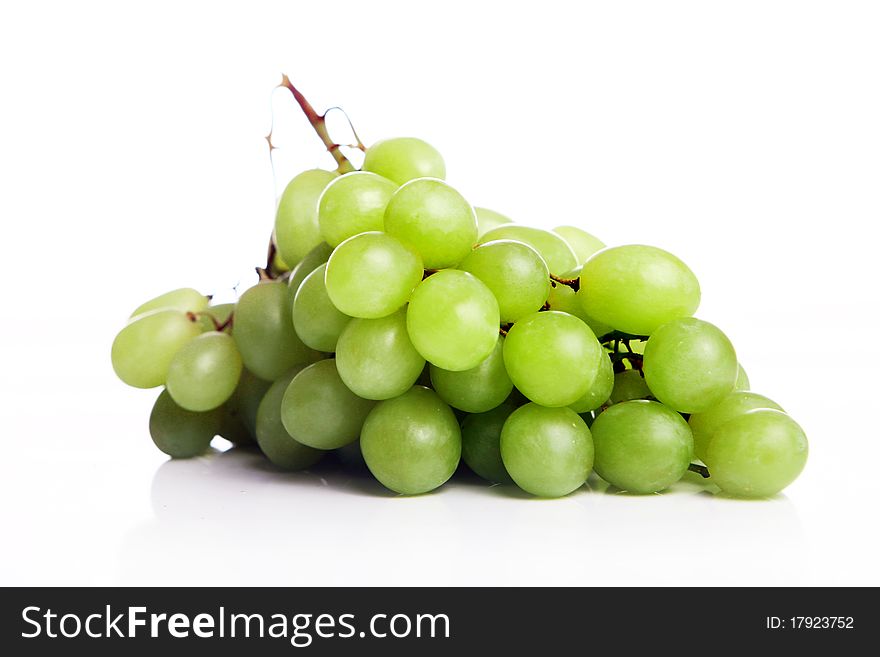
x: 744, y: 137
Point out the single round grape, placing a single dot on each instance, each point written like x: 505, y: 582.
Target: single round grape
x: 629, y: 385
x: 599, y: 392
x: 278, y: 446
x: 704, y: 425
x: 564, y: 299
x: 742, y: 379
x: 213, y: 316
x: 637, y: 288
x: 317, y: 256
x: 581, y: 242
x: 556, y: 252
x: 248, y: 395
x: 296, y: 219
x: 402, y: 159
x: 185, y: 300
x: 552, y: 357
x: 481, y: 443
x: 319, y: 411
x: 317, y: 322
x: 371, y: 275
x: 204, y: 372
x: 547, y: 451
x: 412, y: 443
x: 434, y: 219
x: 353, y: 204
x: 514, y: 272
x: 478, y: 389
x: 180, y: 433
x: 641, y: 446
x: 757, y: 454
x: 376, y: 359
x: 488, y: 219
x: 690, y: 365
x: 264, y: 331
x: 453, y: 320
x: 142, y: 351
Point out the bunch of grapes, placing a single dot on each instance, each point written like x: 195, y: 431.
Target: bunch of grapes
x: 395, y: 315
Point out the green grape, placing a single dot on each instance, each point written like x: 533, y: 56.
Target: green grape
x: 564, y: 299
x: 185, y: 300
x: 581, y: 242
x: 556, y: 252
x: 488, y: 219
x: 412, y: 443
x: 296, y: 220
x: 434, y: 219
x: 757, y: 454
x: 478, y: 389
x: 353, y: 204
x: 629, y: 385
x: 690, y: 365
x: 641, y: 446
x: 278, y: 446
x: 481, y: 443
x: 514, y: 272
x: 232, y: 426
x: 404, y: 158
x: 599, y: 392
x: 248, y: 395
x: 319, y: 411
x: 316, y: 320
x: 278, y: 263
x: 742, y: 379
x: 204, y: 372
x: 705, y: 425
x: 317, y: 256
x: 552, y: 358
x: 264, y: 331
x: 213, y: 316
x: 637, y: 288
x: 143, y: 349
x: 453, y: 320
x: 181, y: 434
x: 371, y: 275
x: 547, y: 451
x: 376, y: 358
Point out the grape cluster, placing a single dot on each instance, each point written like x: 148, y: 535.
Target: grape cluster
x: 396, y: 314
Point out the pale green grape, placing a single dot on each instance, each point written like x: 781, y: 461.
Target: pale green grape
x: 690, y: 365
x: 488, y: 219
x: 316, y: 320
x: 637, y: 288
x: 185, y: 299
x: 376, y: 358
x: 434, y: 219
x: 599, y: 392
x: 204, y: 372
x: 181, y: 434
x: 352, y: 204
x: 564, y: 298
x: 641, y: 446
x: 317, y: 256
x: 581, y: 242
x: 319, y: 411
x: 143, y: 349
x: 704, y: 425
x: 278, y: 446
x: 481, y: 443
x: 478, y: 389
x: 757, y: 454
x: 453, y: 320
x: 248, y: 395
x: 742, y: 379
x: 552, y: 358
x: 296, y: 220
x: 371, y: 275
x: 629, y: 385
x: 412, y: 443
x: 547, y: 451
x: 556, y: 252
x: 403, y: 158
x: 514, y: 272
x: 214, y: 316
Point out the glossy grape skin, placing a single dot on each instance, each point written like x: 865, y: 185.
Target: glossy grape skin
x: 402, y: 159
x: 548, y: 452
x: 488, y: 219
x: 181, y: 434
x: 556, y: 252
x: 376, y: 359
x: 690, y: 365
x: 515, y: 273
x: 757, y: 454
x: 481, y: 443
x: 317, y: 322
x: 184, y: 299
x: 599, y: 392
x: 314, y: 258
x: 453, y: 320
x: 264, y: 332
x: 352, y: 204
x: 581, y: 242
x: 142, y: 351
x: 318, y: 410
x: 742, y: 379
x: 434, y: 219
x: 705, y: 425
x: 213, y: 316
x: 564, y: 299
x: 278, y: 446
x: 204, y: 372
x: 247, y: 397
x: 478, y: 389
x: 629, y: 385
x: 412, y: 443
x: 552, y: 358
x: 637, y: 288
x: 296, y: 220
x: 371, y: 275
x: 641, y: 446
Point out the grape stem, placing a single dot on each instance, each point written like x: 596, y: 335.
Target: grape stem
x: 620, y: 335
x: 573, y: 283
x: 701, y: 470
